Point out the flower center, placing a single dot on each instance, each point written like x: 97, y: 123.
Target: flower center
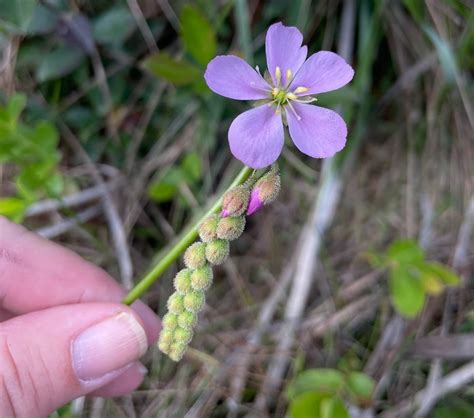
x: 282, y: 97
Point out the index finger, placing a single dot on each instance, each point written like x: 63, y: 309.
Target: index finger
x: 36, y: 273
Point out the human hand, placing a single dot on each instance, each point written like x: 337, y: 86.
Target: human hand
x: 63, y: 331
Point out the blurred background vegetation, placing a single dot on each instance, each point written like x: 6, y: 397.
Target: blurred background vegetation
x: 351, y: 295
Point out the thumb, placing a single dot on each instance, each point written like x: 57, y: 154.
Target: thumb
x: 50, y: 357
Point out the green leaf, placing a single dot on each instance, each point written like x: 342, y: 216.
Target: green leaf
x: 454, y: 408
x: 333, y: 408
x: 360, y: 386
x: 322, y: 380
x: 54, y: 185
x: 15, y: 106
x: 58, y: 63
x: 179, y: 73
x: 405, y: 252
x: 192, y: 167
x: 17, y: 14
x: 444, y: 273
x: 431, y: 283
x: 317, y: 405
x: 406, y: 292
x: 162, y: 192
x: 12, y: 208
x: 46, y: 135
x: 306, y: 405
x: 44, y: 21
x: 166, y: 188
x: 198, y: 35
x: 114, y: 26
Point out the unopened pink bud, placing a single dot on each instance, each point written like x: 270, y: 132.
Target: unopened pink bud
x: 264, y: 192
x: 255, y: 203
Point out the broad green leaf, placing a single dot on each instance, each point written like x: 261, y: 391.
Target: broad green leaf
x: 15, y: 106
x: 333, y: 408
x: 179, y: 73
x: 322, y: 380
x: 114, y: 26
x: 166, y: 188
x: 31, y: 54
x: 406, y: 292
x: 453, y: 407
x: 317, y: 405
x: 192, y: 167
x: 46, y: 135
x: 44, y: 21
x: 405, y: 252
x: 444, y: 273
x: 162, y: 192
x: 450, y: 412
x: 58, y: 63
x: 16, y: 15
x: 360, y: 386
x: 431, y: 283
x: 12, y: 207
x: 307, y: 405
x: 54, y: 185
x: 198, y: 35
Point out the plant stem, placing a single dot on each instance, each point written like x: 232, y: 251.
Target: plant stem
x: 187, y: 239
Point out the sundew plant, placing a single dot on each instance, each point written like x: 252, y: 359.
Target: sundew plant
x: 256, y: 138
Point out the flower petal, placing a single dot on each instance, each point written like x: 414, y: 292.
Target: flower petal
x: 232, y: 77
x: 283, y: 49
x: 322, y: 72
x: 319, y: 132
x: 256, y: 136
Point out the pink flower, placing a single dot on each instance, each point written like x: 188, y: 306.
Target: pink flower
x: 256, y: 136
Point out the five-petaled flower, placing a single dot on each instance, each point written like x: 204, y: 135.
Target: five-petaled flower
x: 256, y: 137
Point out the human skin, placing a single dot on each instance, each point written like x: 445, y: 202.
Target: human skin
x: 63, y: 331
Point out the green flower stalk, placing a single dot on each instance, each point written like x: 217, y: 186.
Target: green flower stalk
x: 192, y: 282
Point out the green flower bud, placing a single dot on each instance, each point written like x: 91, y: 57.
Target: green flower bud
x: 183, y: 336
x: 187, y: 320
x: 235, y: 201
x: 175, y: 303
x: 208, y: 228
x: 217, y: 251
x: 194, y: 301
x: 230, y: 228
x: 164, y: 346
x: 170, y: 321
x: 201, y: 279
x: 195, y: 255
x: 182, y: 281
x: 166, y: 336
x: 176, y: 351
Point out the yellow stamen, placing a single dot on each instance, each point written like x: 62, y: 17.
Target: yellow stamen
x: 291, y: 96
x: 301, y: 90
x: 278, y: 75
x: 289, y: 75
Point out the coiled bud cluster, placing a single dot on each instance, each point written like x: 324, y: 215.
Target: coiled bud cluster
x: 192, y: 282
